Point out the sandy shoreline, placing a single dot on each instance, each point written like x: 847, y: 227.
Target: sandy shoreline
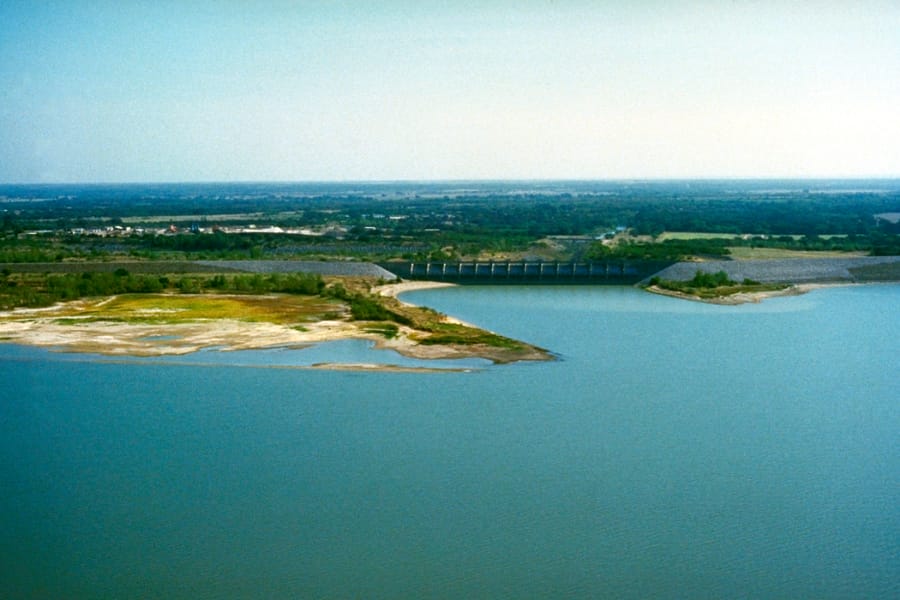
x: 56, y: 328
x: 119, y: 339
x: 392, y: 290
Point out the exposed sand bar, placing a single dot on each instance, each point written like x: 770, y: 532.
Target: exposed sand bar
x: 393, y: 290
x: 118, y: 339
x: 135, y: 339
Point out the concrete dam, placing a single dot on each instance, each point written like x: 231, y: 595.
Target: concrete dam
x: 612, y: 272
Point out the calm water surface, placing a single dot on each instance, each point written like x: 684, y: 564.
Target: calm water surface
x: 674, y: 450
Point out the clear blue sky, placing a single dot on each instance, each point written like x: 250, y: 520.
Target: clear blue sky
x: 205, y: 91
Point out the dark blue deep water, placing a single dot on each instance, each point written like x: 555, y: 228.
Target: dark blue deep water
x: 675, y: 450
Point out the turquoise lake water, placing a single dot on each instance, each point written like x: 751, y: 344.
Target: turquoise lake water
x: 675, y: 450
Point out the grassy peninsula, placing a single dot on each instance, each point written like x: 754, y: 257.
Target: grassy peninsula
x: 178, y: 316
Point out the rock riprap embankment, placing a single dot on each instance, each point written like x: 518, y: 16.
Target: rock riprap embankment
x: 797, y: 270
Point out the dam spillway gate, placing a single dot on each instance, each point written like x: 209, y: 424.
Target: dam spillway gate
x: 613, y: 272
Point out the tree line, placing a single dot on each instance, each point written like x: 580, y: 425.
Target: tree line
x: 33, y: 290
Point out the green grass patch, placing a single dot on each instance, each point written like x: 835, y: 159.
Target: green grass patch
x: 388, y: 330
x: 488, y: 339
x: 157, y: 309
x: 748, y: 253
x: 83, y: 320
x: 69, y: 321
x: 730, y: 290
x: 452, y: 333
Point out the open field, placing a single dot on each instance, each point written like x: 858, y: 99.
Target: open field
x: 214, y: 218
x: 176, y: 308
x: 702, y: 235
x: 694, y: 235
x: 745, y: 253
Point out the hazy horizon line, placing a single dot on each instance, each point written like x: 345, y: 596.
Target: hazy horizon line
x: 459, y: 180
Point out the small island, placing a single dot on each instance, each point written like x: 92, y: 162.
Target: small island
x: 718, y: 288
x: 143, y: 315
